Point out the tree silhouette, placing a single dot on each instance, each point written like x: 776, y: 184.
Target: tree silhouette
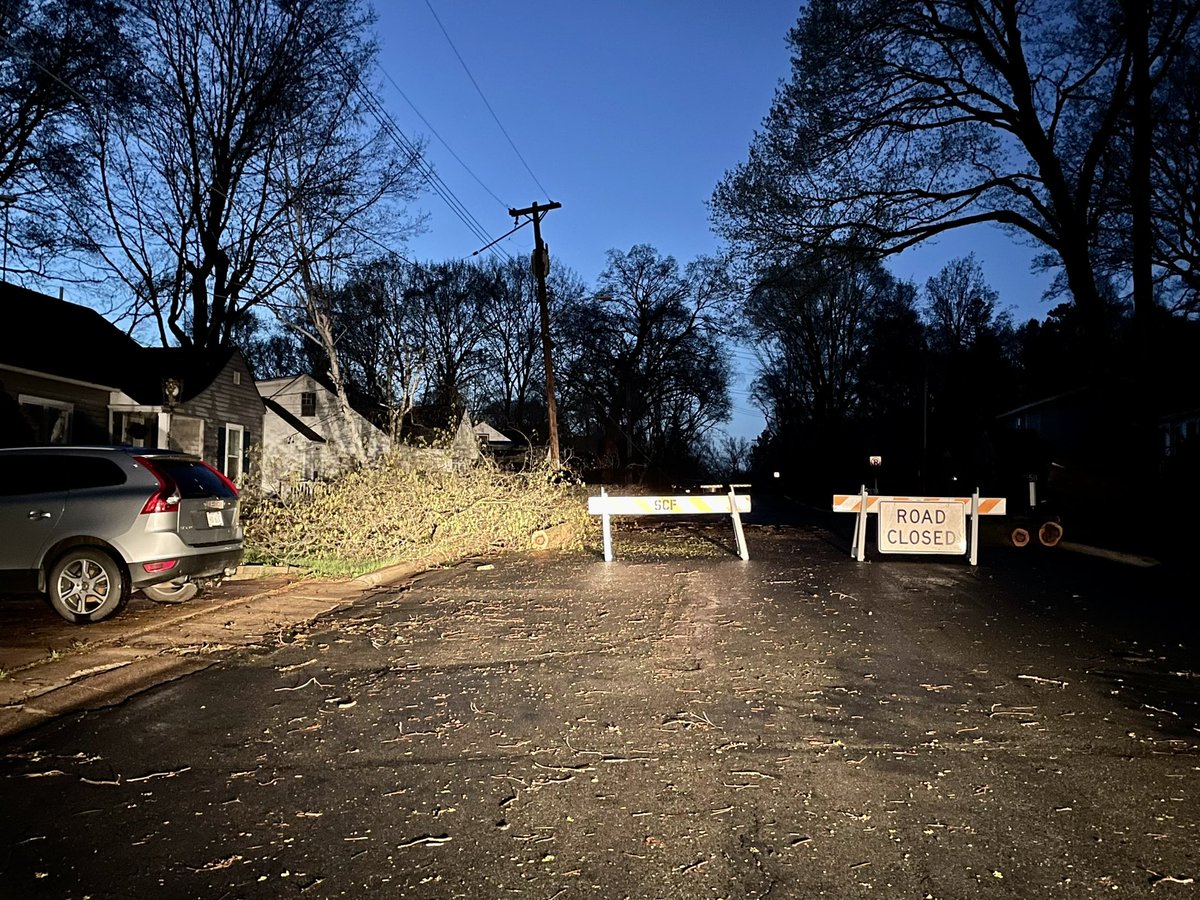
x: 902, y: 121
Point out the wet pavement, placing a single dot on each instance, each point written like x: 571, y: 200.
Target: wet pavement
x: 49, y: 667
x: 678, y: 723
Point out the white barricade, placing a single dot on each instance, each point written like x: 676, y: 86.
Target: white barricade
x: 731, y: 504
x: 920, y: 524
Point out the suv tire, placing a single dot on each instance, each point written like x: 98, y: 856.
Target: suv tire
x: 172, y: 591
x: 87, y: 585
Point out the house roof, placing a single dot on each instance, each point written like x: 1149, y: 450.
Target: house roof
x: 70, y: 341
x: 1042, y: 402
x: 276, y: 387
x: 195, y: 369
x: 288, y: 380
x: 294, y: 422
x: 60, y: 338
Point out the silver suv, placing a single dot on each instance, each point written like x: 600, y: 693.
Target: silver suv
x: 88, y: 525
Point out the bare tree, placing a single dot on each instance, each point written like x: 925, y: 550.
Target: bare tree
x: 512, y: 340
x: 903, y: 120
x: 514, y: 377
x: 62, y: 62
x: 448, y: 300
x: 643, y: 356
x: 810, y: 322
x: 1173, y: 194
x: 960, y: 306
x: 337, y: 184
x: 256, y: 138
x: 380, y: 340
x: 730, y: 458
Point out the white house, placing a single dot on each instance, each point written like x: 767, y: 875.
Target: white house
x: 306, y: 437
x: 491, y: 437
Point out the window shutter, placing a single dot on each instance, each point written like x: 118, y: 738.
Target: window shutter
x: 221, y: 449
x: 246, y: 452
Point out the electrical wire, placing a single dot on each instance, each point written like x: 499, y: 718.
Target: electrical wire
x: 499, y: 124
x: 434, y: 132
x: 430, y: 175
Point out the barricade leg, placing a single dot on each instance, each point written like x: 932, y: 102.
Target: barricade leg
x: 743, y: 551
x: 606, y: 520
x: 975, y: 527
x: 860, y: 528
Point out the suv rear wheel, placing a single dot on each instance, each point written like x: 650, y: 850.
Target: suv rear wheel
x: 87, y: 585
x: 172, y: 591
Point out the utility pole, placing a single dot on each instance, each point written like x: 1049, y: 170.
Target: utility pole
x: 541, y: 268
x: 7, y: 200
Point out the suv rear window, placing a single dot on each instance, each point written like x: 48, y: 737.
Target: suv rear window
x: 194, y: 478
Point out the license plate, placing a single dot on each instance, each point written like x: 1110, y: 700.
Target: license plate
x: 215, y: 520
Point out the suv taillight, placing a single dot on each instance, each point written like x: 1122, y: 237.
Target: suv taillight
x: 166, y: 498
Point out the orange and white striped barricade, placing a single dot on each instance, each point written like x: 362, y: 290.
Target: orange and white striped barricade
x: 731, y: 504
x: 920, y: 524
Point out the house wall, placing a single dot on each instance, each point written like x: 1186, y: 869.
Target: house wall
x: 89, y: 416
x: 289, y: 455
x: 231, y: 399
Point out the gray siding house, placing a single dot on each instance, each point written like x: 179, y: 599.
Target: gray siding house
x: 68, y: 375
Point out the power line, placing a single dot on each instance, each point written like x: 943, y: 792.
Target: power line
x: 439, y: 187
x: 433, y: 130
x: 499, y: 124
x: 426, y: 170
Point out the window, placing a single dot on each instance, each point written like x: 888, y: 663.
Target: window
x: 234, y: 443
x: 50, y: 474
x: 308, y: 403
x: 237, y: 377
x: 185, y: 433
x: 50, y: 420
x: 194, y: 479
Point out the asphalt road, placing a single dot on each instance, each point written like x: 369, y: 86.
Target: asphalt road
x: 678, y: 723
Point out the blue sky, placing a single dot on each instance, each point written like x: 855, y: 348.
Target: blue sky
x: 627, y: 113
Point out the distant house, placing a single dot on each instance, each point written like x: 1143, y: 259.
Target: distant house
x: 1087, y: 457
x: 306, y: 437
x: 68, y: 375
x: 491, y: 438
x: 1070, y: 422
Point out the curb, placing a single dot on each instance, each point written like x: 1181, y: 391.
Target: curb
x: 1129, y: 559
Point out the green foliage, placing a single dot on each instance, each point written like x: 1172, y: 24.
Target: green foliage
x: 386, y: 513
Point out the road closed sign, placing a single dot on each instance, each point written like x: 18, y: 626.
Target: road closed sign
x: 922, y: 526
